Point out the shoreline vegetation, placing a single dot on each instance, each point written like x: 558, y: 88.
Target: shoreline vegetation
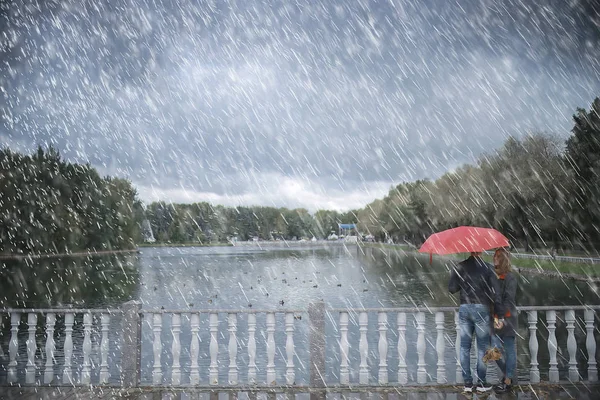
x: 52, y: 206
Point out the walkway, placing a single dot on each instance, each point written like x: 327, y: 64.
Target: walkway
x: 538, y: 392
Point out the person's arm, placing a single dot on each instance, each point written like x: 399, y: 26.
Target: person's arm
x: 494, y: 284
x: 454, y: 283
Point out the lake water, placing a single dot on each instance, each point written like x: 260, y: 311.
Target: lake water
x: 275, y: 279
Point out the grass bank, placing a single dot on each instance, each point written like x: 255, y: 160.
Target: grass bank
x: 581, y: 271
x: 554, y: 268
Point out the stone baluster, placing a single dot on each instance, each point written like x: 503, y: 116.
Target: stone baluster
x: 49, y: 370
x: 68, y: 348
x: 96, y: 342
x: 31, y: 348
x: 271, y: 349
x: 571, y: 345
x: 383, y: 347
x: 459, y: 377
x: 421, y: 371
x: 176, y: 349
x: 363, y: 347
x: 232, y: 347
x: 590, y: 343
x: 213, y: 369
x: 534, y: 371
x: 195, y: 349
x: 13, y: 347
x: 87, y: 349
x: 104, y: 347
x: 402, y: 368
x: 157, y: 348
x: 252, y: 349
x: 131, y: 351
x: 552, y: 345
x: 440, y: 346
x: 316, y: 341
x: 344, y: 349
x: 290, y: 374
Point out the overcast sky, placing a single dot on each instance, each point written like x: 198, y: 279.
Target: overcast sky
x: 304, y: 103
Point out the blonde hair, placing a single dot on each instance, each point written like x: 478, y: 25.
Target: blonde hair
x: 504, y: 261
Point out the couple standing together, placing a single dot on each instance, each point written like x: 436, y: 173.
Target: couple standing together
x: 486, y: 291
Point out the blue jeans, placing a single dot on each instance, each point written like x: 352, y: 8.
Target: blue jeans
x: 473, y: 318
x: 508, y: 363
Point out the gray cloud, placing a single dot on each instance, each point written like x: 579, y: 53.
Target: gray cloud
x: 217, y: 98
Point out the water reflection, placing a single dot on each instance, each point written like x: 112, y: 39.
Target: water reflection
x: 92, y: 281
x: 226, y: 278
x: 288, y: 278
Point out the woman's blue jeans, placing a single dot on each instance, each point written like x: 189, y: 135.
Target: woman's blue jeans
x: 473, y: 318
x: 508, y: 363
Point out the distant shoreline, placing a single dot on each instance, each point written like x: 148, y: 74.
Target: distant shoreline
x: 59, y: 255
x: 150, y: 245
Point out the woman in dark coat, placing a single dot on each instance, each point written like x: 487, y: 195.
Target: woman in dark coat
x: 505, y: 329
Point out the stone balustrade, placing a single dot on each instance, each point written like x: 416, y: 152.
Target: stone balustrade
x: 87, y: 333
x: 46, y: 373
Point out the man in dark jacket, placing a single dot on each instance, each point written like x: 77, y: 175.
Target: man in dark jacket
x: 479, y: 290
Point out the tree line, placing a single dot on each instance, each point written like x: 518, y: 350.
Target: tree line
x: 205, y: 223
x: 539, y: 190
x: 50, y: 206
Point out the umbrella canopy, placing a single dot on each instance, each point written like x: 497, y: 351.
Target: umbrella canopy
x: 464, y: 239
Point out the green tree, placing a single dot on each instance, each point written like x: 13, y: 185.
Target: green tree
x: 52, y: 206
x: 583, y: 158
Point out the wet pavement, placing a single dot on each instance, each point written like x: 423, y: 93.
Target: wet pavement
x: 541, y: 392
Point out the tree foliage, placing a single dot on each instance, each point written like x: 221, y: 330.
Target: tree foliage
x: 583, y: 159
x: 48, y: 205
x: 205, y: 223
x: 536, y: 190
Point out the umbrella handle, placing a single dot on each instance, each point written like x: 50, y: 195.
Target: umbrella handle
x: 430, y: 258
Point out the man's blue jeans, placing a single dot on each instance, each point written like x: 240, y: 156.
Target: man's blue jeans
x: 473, y: 318
x: 508, y: 363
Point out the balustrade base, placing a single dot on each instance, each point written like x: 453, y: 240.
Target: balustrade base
x: 540, y: 391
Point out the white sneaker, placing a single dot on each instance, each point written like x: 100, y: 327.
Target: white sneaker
x: 468, y: 389
x: 483, y: 387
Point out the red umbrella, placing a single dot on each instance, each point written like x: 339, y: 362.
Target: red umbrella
x: 464, y: 239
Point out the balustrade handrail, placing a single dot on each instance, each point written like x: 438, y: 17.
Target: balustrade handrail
x: 61, y: 310
x: 455, y: 308
x: 558, y: 308
x: 281, y: 311
x: 395, y: 309
x: 221, y: 311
